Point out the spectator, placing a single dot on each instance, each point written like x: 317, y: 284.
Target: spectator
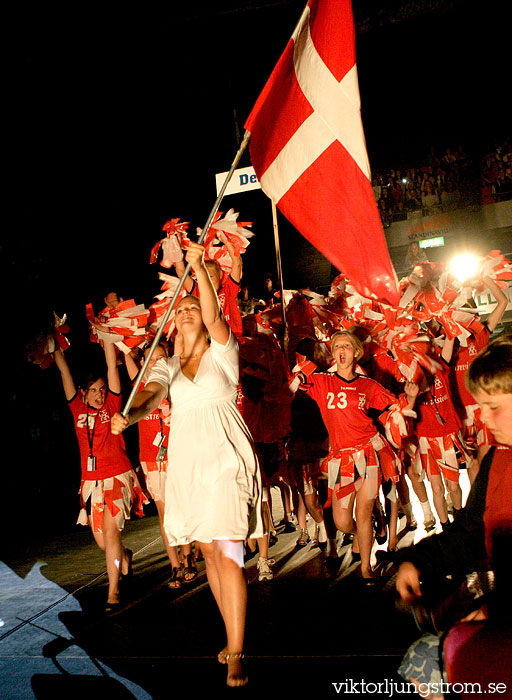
x: 385, y: 212
x: 397, y: 196
x: 377, y: 189
x: 246, y: 302
x: 449, y: 194
x: 430, y: 197
x: 502, y: 186
x: 415, y: 255
x: 413, y: 200
x: 268, y: 291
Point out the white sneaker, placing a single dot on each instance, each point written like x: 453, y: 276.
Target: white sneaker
x: 265, y: 572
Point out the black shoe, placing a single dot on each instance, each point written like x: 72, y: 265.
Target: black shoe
x: 289, y: 527
x: 112, y: 607
x: 332, y: 563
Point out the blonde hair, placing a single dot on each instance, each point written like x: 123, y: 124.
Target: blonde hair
x: 491, y: 370
x: 354, y: 341
x: 189, y: 296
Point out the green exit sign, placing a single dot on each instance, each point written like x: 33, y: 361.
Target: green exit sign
x: 432, y: 242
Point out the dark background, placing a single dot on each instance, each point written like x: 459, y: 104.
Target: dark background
x: 119, y: 120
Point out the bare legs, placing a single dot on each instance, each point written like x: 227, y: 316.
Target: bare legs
x: 421, y: 492
x: 437, y: 483
x: 116, y: 556
x: 226, y: 576
x: 343, y: 517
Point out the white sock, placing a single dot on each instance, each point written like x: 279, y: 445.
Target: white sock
x: 322, y: 532
x: 427, y: 513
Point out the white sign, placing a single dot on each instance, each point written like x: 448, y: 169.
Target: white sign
x: 242, y: 180
x: 485, y: 301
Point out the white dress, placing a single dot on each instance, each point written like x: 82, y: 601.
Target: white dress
x: 213, y: 487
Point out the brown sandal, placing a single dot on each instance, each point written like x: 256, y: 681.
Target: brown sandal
x: 176, y: 578
x: 190, y: 572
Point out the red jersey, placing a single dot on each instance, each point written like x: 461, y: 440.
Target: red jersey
x: 383, y: 368
x: 264, y: 396
x: 228, y: 295
x: 149, y: 427
x: 344, y: 407
x: 498, y: 506
x: 465, y: 357
x: 108, y: 449
x: 429, y: 423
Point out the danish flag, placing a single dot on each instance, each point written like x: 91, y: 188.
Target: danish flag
x: 308, y: 148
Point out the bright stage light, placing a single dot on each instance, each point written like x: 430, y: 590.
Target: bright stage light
x: 464, y: 267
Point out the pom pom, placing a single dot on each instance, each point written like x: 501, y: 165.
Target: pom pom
x: 172, y: 244
x: 225, y: 232
x: 40, y: 351
x: 124, y: 325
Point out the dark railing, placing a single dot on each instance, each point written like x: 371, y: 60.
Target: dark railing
x: 462, y: 203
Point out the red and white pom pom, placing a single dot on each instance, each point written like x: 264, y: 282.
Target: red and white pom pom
x: 172, y: 244
x: 124, y: 325
x: 399, y: 422
x: 60, y: 329
x: 158, y: 309
x: 325, y: 320
x: 497, y: 267
x: 40, y: 351
x: 303, y: 367
x: 226, y: 230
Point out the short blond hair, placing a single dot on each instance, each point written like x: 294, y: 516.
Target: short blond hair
x: 491, y: 370
x: 354, y: 341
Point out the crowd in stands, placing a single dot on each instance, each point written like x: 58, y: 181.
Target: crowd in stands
x: 445, y: 182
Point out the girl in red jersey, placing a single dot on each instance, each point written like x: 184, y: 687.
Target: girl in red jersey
x: 109, y: 489
x: 440, y: 446
x: 359, y: 458
x: 153, y: 442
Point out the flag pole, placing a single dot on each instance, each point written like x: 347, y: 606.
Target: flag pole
x: 245, y: 141
x: 279, y: 272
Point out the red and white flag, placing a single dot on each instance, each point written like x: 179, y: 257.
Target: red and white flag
x: 308, y: 148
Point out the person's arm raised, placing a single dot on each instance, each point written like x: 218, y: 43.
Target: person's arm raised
x: 65, y: 373
x: 236, y: 260
x: 501, y: 304
x: 131, y: 366
x: 210, y: 308
x: 113, y: 378
x: 447, y: 351
x: 180, y: 271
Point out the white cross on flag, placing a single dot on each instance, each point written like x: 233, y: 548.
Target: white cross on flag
x: 308, y: 149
